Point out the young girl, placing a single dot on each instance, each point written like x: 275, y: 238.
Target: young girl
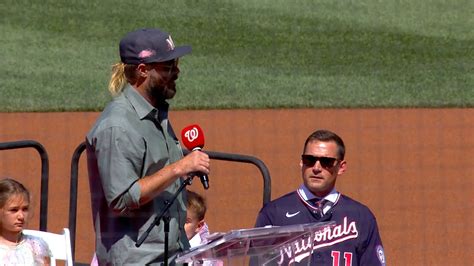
x: 16, y: 248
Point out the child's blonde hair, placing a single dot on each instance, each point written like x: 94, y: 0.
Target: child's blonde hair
x: 10, y: 187
x: 197, y: 203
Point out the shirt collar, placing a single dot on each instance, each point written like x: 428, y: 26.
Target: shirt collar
x: 143, y: 107
x: 308, y: 195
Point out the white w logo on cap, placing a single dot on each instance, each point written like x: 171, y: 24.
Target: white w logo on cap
x: 170, y: 43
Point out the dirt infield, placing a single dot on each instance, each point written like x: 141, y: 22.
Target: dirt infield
x: 413, y: 167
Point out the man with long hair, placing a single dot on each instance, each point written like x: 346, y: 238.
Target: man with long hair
x: 135, y: 160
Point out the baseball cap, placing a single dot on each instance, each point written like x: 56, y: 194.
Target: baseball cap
x: 149, y: 46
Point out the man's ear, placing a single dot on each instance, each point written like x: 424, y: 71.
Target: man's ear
x: 342, y: 167
x: 142, y: 70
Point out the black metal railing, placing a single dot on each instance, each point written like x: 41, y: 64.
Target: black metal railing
x: 233, y: 157
x: 212, y: 154
x: 73, y: 194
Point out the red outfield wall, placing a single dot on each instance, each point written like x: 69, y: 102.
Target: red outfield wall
x: 413, y: 167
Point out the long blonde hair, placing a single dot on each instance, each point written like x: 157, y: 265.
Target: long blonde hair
x: 117, y: 80
x: 121, y: 75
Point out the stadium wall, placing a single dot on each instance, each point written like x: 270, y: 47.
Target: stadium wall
x: 412, y: 167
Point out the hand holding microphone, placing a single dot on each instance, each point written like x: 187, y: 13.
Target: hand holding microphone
x: 193, y: 139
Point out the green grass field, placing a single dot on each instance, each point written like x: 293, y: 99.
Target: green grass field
x: 56, y: 55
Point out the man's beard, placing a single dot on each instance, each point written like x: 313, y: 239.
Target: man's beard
x: 162, y: 89
x: 163, y: 92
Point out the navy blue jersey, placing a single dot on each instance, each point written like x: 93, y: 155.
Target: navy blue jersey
x: 354, y: 240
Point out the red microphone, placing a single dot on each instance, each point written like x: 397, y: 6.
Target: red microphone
x: 193, y: 139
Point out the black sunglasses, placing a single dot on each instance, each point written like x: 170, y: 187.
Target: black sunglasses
x: 166, y: 65
x: 326, y: 162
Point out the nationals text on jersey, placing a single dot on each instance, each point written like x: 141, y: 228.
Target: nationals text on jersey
x: 327, y: 237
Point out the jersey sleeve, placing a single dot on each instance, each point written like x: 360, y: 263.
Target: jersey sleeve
x: 373, y: 254
x: 262, y: 218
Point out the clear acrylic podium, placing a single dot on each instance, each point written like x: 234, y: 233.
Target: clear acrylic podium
x: 278, y: 245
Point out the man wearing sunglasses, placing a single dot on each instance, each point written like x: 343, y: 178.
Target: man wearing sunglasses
x: 355, y: 239
x: 135, y: 161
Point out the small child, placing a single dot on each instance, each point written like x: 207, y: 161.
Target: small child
x: 16, y: 248
x: 195, y: 227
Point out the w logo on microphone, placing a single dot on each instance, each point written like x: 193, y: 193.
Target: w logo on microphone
x: 192, y: 137
x: 192, y: 134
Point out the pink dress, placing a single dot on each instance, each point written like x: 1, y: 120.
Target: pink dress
x: 30, y: 251
x: 201, y: 237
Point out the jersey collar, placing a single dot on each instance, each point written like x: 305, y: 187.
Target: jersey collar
x: 305, y: 194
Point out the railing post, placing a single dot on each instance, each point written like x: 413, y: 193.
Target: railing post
x: 73, y: 195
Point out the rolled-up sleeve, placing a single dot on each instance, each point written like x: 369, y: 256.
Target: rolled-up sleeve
x: 119, y: 158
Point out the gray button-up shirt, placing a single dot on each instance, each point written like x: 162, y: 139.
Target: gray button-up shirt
x: 130, y: 140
